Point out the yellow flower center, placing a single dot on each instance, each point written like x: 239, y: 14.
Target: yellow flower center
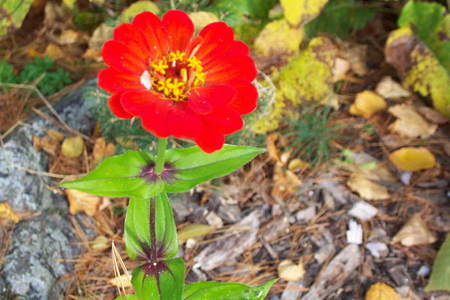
x: 174, y: 75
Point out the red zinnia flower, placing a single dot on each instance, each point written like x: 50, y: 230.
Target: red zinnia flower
x: 179, y: 86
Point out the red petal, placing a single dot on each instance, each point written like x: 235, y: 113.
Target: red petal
x: 121, y: 57
x: 113, y: 80
x: 179, y: 28
x: 230, y: 66
x: 217, y: 37
x: 247, y: 96
x: 224, y: 120
x: 133, y: 38
x: 182, y: 122
x: 193, y: 46
x: 136, y: 102
x: 203, y: 98
x: 151, y: 27
x: 210, y: 140
x: 116, y: 107
x: 199, y: 103
x: 154, y: 118
x: 239, y: 46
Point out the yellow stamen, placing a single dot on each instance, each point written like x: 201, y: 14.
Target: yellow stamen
x: 173, y: 56
x: 195, y: 64
x: 160, y: 67
x: 183, y: 74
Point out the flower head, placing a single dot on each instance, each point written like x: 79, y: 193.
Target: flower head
x: 179, y: 85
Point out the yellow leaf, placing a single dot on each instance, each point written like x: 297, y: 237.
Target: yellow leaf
x: 13, y: 12
x: 410, y: 123
x: 307, y: 78
x: 367, y: 103
x: 278, y: 38
x: 412, y: 159
x: 381, y: 291
x: 72, y: 147
x: 367, y: 188
x: 290, y: 271
x: 193, y: 231
x: 53, y: 51
x: 414, y: 232
x: 7, y: 213
x: 419, y: 69
x: 299, y: 12
x: 136, y: 8
x: 202, y: 18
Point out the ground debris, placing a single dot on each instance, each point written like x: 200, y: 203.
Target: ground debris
x: 338, y: 271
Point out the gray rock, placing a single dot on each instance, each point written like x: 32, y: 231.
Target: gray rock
x: 40, y: 246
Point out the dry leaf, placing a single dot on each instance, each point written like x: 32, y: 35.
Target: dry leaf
x: 410, y: 123
x: 202, y: 18
x: 285, y: 183
x: 381, y: 291
x: 433, y: 115
x: 414, y: 232
x: 297, y: 164
x: 412, y: 159
x: 84, y: 202
x: 7, y: 213
x: 341, y: 67
x: 68, y: 37
x: 367, y: 103
x: 446, y: 146
x: 356, y: 56
x: 55, y: 135
x: 102, y: 150
x: 72, y: 147
x: 121, y: 281
x: 366, y: 188
x: 100, y: 243
x: 388, y: 88
x: 287, y: 270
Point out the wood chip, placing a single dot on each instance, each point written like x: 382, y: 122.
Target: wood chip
x: 226, y: 249
x: 336, y: 273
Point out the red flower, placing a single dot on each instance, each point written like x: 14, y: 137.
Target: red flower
x: 179, y: 86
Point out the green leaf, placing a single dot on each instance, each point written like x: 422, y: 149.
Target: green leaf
x: 428, y: 22
x: 192, y: 166
x: 6, y: 72
x: 13, y: 12
x: 150, y: 230
x: 225, y: 290
x: 341, y: 18
x: 163, y: 280
x: 127, y: 297
x: 117, y: 176
x: 439, y: 279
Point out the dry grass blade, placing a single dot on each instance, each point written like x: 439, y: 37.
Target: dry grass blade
x: 116, y: 258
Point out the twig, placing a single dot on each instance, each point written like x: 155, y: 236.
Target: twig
x: 36, y: 90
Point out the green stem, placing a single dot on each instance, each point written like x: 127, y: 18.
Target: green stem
x: 159, y: 165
